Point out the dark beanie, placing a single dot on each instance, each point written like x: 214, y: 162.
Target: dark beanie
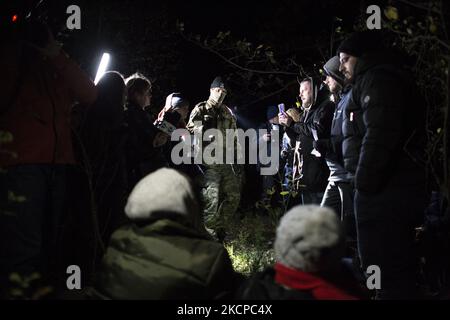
x: 218, y: 83
x: 360, y: 43
x: 271, y: 112
x: 331, y: 69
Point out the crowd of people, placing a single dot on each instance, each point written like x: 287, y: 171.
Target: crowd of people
x: 353, y: 152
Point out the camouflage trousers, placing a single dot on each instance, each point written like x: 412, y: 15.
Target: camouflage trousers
x: 221, y: 194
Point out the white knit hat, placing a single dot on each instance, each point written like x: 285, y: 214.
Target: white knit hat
x: 309, y: 238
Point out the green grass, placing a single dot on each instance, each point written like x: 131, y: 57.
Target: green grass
x: 250, y: 239
x: 250, y: 243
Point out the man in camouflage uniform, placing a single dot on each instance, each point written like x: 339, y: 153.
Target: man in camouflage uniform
x: 220, y: 183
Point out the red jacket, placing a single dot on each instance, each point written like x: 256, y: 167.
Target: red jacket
x: 320, y: 288
x: 38, y: 114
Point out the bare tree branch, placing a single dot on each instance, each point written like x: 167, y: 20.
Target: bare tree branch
x: 235, y: 64
x: 271, y: 94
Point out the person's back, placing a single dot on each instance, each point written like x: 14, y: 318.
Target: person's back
x: 41, y: 85
x: 308, y: 251
x: 164, y: 260
x: 166, y: 253
x: 142, y: 152
x: 101, y: 138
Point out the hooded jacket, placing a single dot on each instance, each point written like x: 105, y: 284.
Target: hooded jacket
x: 166, y: 253
x: 317, y: 120
x: 37, y: 96
x: 384, y: 127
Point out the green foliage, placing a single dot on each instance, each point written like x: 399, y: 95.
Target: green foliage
x: 5, y: 137
x: 424, y: 37
x: 275, y: 204
x: 250, y: 243
x: 27, y: 287
x: 12, y: 197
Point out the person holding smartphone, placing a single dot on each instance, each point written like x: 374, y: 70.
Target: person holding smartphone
x: 310, y: 172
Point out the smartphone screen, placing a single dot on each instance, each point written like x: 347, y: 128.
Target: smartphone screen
x: 281, y: 108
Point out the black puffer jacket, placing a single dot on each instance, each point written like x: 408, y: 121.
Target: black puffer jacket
x: 318, y: 119
x: 384, y: 127
x: 333, y: 146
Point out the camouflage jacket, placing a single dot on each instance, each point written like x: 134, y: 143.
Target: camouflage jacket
x: 205, y: 116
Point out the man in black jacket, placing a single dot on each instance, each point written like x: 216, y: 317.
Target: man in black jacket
x: 310, y: 168
x: 339, y: 192
x: 383, y: 143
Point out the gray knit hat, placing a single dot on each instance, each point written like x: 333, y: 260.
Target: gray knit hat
x: 331, y: 69
x: 309, y: 238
